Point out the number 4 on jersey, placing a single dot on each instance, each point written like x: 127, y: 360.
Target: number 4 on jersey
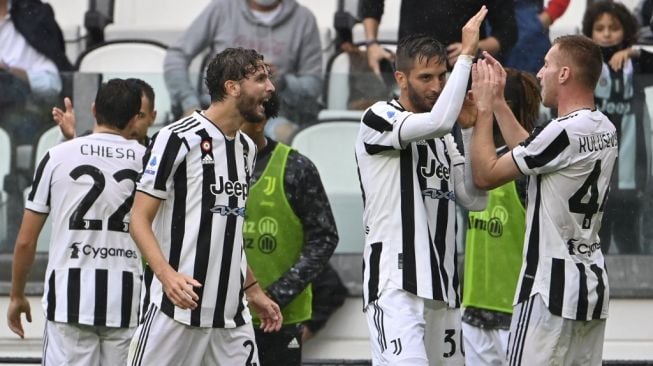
x: 586, y: 199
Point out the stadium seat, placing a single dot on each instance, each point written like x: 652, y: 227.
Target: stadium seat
x: 330, y: 145
x: 131, y: 59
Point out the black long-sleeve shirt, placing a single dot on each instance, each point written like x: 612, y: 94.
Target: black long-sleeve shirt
x: 306, y: 195
x: 444, y: 19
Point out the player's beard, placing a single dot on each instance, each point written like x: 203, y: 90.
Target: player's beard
x: 421, y: 104
x: 248, y: 106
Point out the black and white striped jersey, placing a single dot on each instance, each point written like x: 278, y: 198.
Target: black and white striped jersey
x: 409, y: 209
x: 202, y: 178
x: 94, y: 268
x: 570, y: 162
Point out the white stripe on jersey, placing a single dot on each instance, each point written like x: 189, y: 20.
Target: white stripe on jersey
x: 409, y: 215
x: 570, y: 162
x: 94, y: 268
x: 203, y: 179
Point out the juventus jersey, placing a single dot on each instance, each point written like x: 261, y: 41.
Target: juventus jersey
x: 203, y: 179
x: 409, y: 209
x: 94, y: 273
x: 570, y: 162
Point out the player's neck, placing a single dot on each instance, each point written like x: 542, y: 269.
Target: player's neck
x: 106, y: 129
x: 571, y: 102
x: 228, y: 120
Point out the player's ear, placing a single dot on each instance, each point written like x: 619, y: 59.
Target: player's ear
x: 402, y: 79
x: 93, y: 110
x: 232, y: 88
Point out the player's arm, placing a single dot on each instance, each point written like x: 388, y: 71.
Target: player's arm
x: 467, y: 194
x: 65, y: 119
x: 309, y: 201
x: 488, y: 170
x: 24, y: 253
x: 177, y: 286
x: 266, y: 309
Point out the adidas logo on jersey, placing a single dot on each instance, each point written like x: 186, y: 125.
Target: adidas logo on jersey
x: 293, y: 343
x: 207, y: 159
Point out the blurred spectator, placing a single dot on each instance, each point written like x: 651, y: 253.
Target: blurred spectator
x: 533, y: 22
x: 365, y: 87
x: 285, y: 32
x: 32, y: 52
x: 644, y: 12
x: 614, y: 28
x: 290, y: 235
x: 442, y: 19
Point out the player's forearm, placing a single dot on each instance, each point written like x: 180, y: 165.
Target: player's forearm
x: 483, y: 150
x: 24, y: 254
x: 371, y: 26
x: 513, y: 133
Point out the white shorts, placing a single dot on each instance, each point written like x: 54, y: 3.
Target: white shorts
x: 485, y: 346
x: 412, y: 331
x: 161, y: 340
x: 76, y: 344
x: 538, y: 337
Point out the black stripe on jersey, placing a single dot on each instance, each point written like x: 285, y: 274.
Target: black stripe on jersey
x: 189, y: 127
x: 436, y: 280
x: 375, y: 265
x: 175, y: 127
x: 228, y: 240
x: 238, y: 318
x: 167, y: 161
x: 373, y: 149
x: 581, y: 311
x: 177, y: 230
x: 148, y: 275
x: 52, y: 298
x: 248, y: 174
x: 409, y: 277
x: 373, y: 121
x: 558, y: 145
x: 73, y: 295
x: 533, y: 248
x: 440, y: 238
x: 600, y: 291
x: 360, y: 181
x: 126, y: 299
x: 101, y: 291
x: 203, y: 245
x: 38, y: 176
x: 557, y: 287
x: 455, y: 281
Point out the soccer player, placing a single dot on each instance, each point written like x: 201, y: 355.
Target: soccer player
x: 93, y: 279
x: 412, y: 175
x: 187, y: 220
x: 561, y: 301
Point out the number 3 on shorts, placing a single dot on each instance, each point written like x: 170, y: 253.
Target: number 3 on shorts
x: 449, y: 335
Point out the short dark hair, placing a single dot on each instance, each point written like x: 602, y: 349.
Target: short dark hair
x: 231, y: 64
x: 146, y: 89
x: 584, y: 54
x: 116, y: 102
x: 617, y: 10
x: 417, y: 47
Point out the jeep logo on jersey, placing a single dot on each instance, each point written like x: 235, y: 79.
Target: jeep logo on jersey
x: 206, y: 146
x: 230, y: 188
x: 102, y: 252
x: 576, y: 247
x: 437, y: 194
x: 152, y: 165
x: 435, y: 168
x: 226, y: 210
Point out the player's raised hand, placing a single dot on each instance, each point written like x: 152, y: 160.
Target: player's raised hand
x: 483, y: 86
x: 16, y: 307
x: 65, y: 119
x: 179, y: 288
x: 266, y: 309
x: 500, y: 76
x: 471, y: 33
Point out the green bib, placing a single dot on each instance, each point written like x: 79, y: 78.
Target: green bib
x: 274, y: 236
x: 493, y: 251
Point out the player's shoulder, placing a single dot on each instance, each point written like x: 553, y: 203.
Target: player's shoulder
x: 382, y: 115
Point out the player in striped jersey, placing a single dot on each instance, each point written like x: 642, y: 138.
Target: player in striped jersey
x: 187, y: 220
x: 561, y: 301
x: 93, y: 279
x: 412, y: 175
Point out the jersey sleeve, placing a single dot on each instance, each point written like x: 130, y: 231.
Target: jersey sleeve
x: 382, y: 121
x: 161, y: 161
x: 38, y: 199
x: 547, y: 150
